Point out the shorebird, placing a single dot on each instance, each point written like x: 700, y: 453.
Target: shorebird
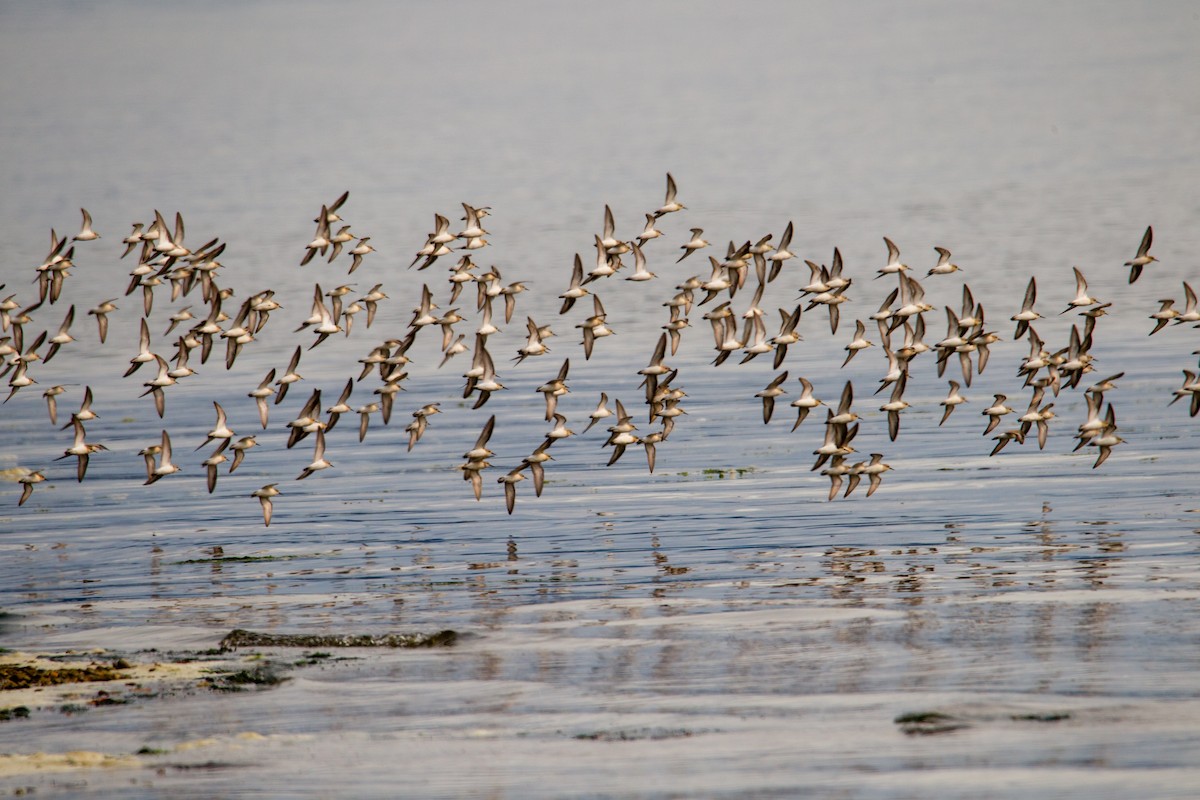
x: 556, y: 388
x: 669, y: 204
x: 329, y: 213
x: 560, y: 429
x: 859, y: 342
x: 473, y: 230
x: 264, y: 495
x: 893, y: 265
x: 1094, y: 423
x: 787, y: 333
x: 62, y: 337
x: 473, y: 471
x: 897, y: 366
x: 874, y: 472
x: 535, y: 461
x: 85, y: 412
x: 534, y: 346
x: 953, y: 341
x: 28, y: 481
x: 1078, y: 359
x: 416, y: 428
x: 306, y: 422
x: 328, y: 324
x: 1107, y: 438
x: 133, y: 239
x: 1027, y: 314
x: 364, y: 418
x: 640, y: 273
x: 575, y: 290
x: 971, y: 315
x: 1143, y: 257
x: 612, y: 245
x: 436, y: 243
x: 667, y: 410
x: 1105, y: 385
x: 510, y: 481
x: 1190, y: 311
x: 486, y: 382
x: 239, y: 449
x: 182, y: 315
x: 320, y: 242
x: 1164, y: 315
x: 837, y: 441
x: 606, y: 264
x: 602, y: 412
x: 1082, y: 298
x: 894, y: 406
x: 718, y: 281
x: 1190, y: 388
x: 952, y: 401
x: 220, y: 430
x: 649, y: 232
x: 943, y: 266
x: 510, y: 293
x: 144, y: 355
x: 728, y: 340
x: 165, y: 465
x: 781, y: 254
x: 155, y: 387
x: 594, y: 327
x: 260, y: 395
x: 182, y: 350
x: 693, y: 244
x: 289, y: 377
x: 836, y: 469
x: 1039, y: 416
x: 818, y: 280
x: 835, y: 280
x: 212, y: 462
x: 19, y: 380
x: 1013, y: 435
x: 649, y: 443
x: 456, y: 347
x: 768, y: 396
x: 674, y: 327
x: 86, y: 234
x: 620, y: 437
x: 338, y: 239
x: 994, y: 412
x: 460, y: 275
x: 755, y: 339
x: 423, y: 315
x: 480, y: 451
x: 361, y: 249
x: 912, y: 301
x: 805, y: 402
x: 831, y: 299
x: 51, y: 396
x: 149, y: 454
x: 854, y: 474
x: 336, y: 410
x: 319, y: 461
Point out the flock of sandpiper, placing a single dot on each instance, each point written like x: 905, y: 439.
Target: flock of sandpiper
x: 163, y: 258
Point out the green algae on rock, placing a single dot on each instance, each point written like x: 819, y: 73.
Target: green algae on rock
x: 243, y: 638
x: 23, y: 676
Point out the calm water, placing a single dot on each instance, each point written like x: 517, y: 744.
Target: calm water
x: 741, y: 634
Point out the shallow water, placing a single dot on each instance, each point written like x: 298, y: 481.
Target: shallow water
x: 716, y: 628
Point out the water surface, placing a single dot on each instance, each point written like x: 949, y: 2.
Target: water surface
x: 716, y: 628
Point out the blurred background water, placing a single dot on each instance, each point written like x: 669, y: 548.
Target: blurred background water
x: 752, y: 638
